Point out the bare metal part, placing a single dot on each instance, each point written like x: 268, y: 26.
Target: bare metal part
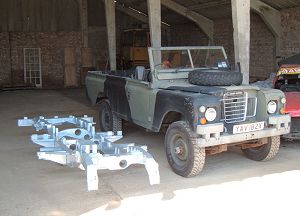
x: 86, y: 149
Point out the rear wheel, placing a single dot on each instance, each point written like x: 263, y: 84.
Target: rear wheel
x: 107, y: 120
x: 264, y: 152
x: 185, y: 157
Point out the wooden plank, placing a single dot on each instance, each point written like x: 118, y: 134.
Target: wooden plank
x: 70, y: 76
x: 87, y: 57
x: 87, y: 63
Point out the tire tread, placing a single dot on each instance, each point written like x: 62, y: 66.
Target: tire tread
x: 199, y: 153
x: 274, y: 147
x: 215, y: 78
x: 265, y: 152
x: 117, y: 123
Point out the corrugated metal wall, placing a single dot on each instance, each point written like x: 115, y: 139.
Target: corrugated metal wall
x: 39, y: 15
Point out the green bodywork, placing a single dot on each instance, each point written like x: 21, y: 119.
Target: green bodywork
x: 153, y: 101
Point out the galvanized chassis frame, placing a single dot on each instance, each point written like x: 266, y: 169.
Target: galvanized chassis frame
x: 86, y: 149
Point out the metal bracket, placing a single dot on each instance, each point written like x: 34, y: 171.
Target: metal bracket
x: 86, y: 149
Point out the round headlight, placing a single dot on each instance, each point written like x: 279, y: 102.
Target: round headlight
x: 202, y: 109
x: 272, y: 107
x: 210, y: 114
x: 283, y: 100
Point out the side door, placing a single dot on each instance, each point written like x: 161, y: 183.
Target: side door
x: 138, y: 95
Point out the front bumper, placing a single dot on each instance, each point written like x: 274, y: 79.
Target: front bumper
x: 212, y: 134
x: 295, y: 129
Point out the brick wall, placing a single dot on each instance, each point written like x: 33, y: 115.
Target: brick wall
x: 187, y: 34
x: 262, y: 50
x: 223, y: 36
x: 262, y: 46
x: 4, y: 59
x: 290, y: 21
x: 52, y: 46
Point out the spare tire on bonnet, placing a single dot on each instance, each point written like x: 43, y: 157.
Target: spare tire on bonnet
x: 211, y: 77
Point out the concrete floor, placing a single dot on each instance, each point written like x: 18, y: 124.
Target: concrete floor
x: 230, y: 184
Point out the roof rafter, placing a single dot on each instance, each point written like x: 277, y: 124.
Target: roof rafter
x: 203, y: 22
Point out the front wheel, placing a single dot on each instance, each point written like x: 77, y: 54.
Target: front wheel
x: 185, y: 157
x: 264, y: 152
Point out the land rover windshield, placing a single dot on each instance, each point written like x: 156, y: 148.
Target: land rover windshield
x: 187, y: 58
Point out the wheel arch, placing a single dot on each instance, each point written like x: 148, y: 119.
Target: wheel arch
x: 169, y: 117
x: 173, y: 106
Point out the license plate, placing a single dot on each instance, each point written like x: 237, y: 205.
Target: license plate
x: 244, y: 128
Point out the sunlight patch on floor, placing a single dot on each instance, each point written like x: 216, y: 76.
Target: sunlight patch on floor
x: 273, y: 194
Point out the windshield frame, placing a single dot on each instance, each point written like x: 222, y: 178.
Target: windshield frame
x: 153, y: 64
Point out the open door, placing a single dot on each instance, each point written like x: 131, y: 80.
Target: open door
x: 70, y: 76
x: 32, y: 67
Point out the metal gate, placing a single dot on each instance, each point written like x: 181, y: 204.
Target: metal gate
x: 32, y: 66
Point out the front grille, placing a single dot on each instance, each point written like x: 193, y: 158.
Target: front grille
x: 251, y: 107
x: 235, y: 106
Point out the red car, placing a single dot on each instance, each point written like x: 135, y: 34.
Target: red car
x: 287, y: 79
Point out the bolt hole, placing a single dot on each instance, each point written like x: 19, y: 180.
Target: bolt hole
x: 86, y: 137
x: 123, y: 163
x: 77, y: 132
x: 72, y: 147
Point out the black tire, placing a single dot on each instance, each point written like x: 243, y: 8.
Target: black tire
x: 264, y: 152
x: 117, y: 123
x: 207, y: 77
x: 189, y: 159
x: 107, y: 120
